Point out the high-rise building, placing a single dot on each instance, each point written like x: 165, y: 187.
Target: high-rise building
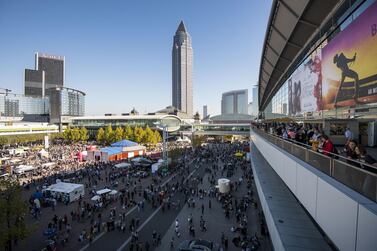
x: 182, y: 59
x: 234, y: 102
x: 46, y: 82
x: 249, y: 108
x: 47, y: 75
x: 205, y: 111
x: 255, y: 106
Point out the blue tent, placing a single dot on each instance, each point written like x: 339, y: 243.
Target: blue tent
x: 124, y: 143
x: 112, y: 150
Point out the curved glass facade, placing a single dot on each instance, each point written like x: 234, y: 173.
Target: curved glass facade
x: 173, y: 123
x: 73, y: 103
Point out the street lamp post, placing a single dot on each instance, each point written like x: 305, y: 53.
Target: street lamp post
x: 164, y: 141
x: 58, y: 89
x: 164, y: 144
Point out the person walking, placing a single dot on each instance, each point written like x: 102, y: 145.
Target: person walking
x: 172, y: 242
x: 348, y: 134
x: 147, y: 246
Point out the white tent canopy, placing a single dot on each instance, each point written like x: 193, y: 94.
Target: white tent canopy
x: 43, y: 152
x: 95, y: 198
x: 113, y: 192
x: 103, y: 191
x: 71, y: 191
x: 49, y: 164
x: 155, y: 167
x: 24, y: 168
x: 123, y: 165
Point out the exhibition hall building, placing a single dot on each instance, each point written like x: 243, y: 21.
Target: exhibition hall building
x: 319, y: 67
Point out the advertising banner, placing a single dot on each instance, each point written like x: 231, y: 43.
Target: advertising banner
x: 349, y: 63
x: 304, y: 86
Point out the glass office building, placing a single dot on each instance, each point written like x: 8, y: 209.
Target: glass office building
x: 234, y: 102
x: 31, y: 108
x: 46, y: 82
x: 68, y: 103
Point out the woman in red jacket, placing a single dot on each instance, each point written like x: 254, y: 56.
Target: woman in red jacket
x: 327, y: 145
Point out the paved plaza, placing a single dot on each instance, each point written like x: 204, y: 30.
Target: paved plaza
x: 144, y: 225
x: 215, y: 218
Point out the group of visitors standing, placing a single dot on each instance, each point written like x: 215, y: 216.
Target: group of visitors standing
x: 317, y: 140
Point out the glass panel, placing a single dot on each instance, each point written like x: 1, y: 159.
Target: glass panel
x: 356, y: 178
x: 320, y: 161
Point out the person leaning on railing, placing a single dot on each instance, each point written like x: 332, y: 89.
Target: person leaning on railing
x: 326, y: 146
x: 314, y: 139
x: 356, y: 152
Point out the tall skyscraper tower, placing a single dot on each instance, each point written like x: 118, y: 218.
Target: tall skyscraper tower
x: 205, y: 111
x: 182, y: 71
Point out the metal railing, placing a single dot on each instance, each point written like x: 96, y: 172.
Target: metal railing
x: 357, y: 175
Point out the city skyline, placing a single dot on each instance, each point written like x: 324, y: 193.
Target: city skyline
x: 123, y: 51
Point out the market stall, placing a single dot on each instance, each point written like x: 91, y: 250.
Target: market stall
x: 67, y: 192
x: 21, y: 169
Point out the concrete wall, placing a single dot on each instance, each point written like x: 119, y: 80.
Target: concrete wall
x: 347, y: 218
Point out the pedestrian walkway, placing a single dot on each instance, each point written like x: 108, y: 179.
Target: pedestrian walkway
x: 291, y: 226
x: 216, y: 222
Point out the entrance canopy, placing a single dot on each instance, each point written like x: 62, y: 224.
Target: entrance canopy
x: 291, y: 26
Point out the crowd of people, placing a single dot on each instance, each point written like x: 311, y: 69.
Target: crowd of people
x: 314, y: 138
x: 220, y: 161
x: 133, y: 192
x: 81, y: 221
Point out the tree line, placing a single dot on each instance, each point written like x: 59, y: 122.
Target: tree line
x: 137, y: 134
x: 26, y: 138
x: 75, y: 134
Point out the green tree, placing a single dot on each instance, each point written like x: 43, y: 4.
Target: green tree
x: 138, y: 134
x: 198, y: 140
x: 148, y: 136
x: 128, y: 132
x: 84, y: 136
x: 13, y: 209
x: 118, y: 134
x: 100, y: 137
x: 197, y: 116
x: 75, y: 135
x: 157, y: 137
x: 3, y: 141
x: 67, y: 134
x: 109, y: 135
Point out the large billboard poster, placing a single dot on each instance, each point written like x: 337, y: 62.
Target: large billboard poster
x: 349, y: 63
x: 304, y: 86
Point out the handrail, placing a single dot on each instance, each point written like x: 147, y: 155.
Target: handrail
x: 331, y: 154
x: 353, y: 175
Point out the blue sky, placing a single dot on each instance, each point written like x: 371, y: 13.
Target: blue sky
x: 119, y: 52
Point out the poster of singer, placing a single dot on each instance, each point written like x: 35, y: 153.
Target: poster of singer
x: 349, y: 63
x: 304, y: 86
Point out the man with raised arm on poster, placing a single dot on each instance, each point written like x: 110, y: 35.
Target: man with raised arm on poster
x: 342, y: 63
